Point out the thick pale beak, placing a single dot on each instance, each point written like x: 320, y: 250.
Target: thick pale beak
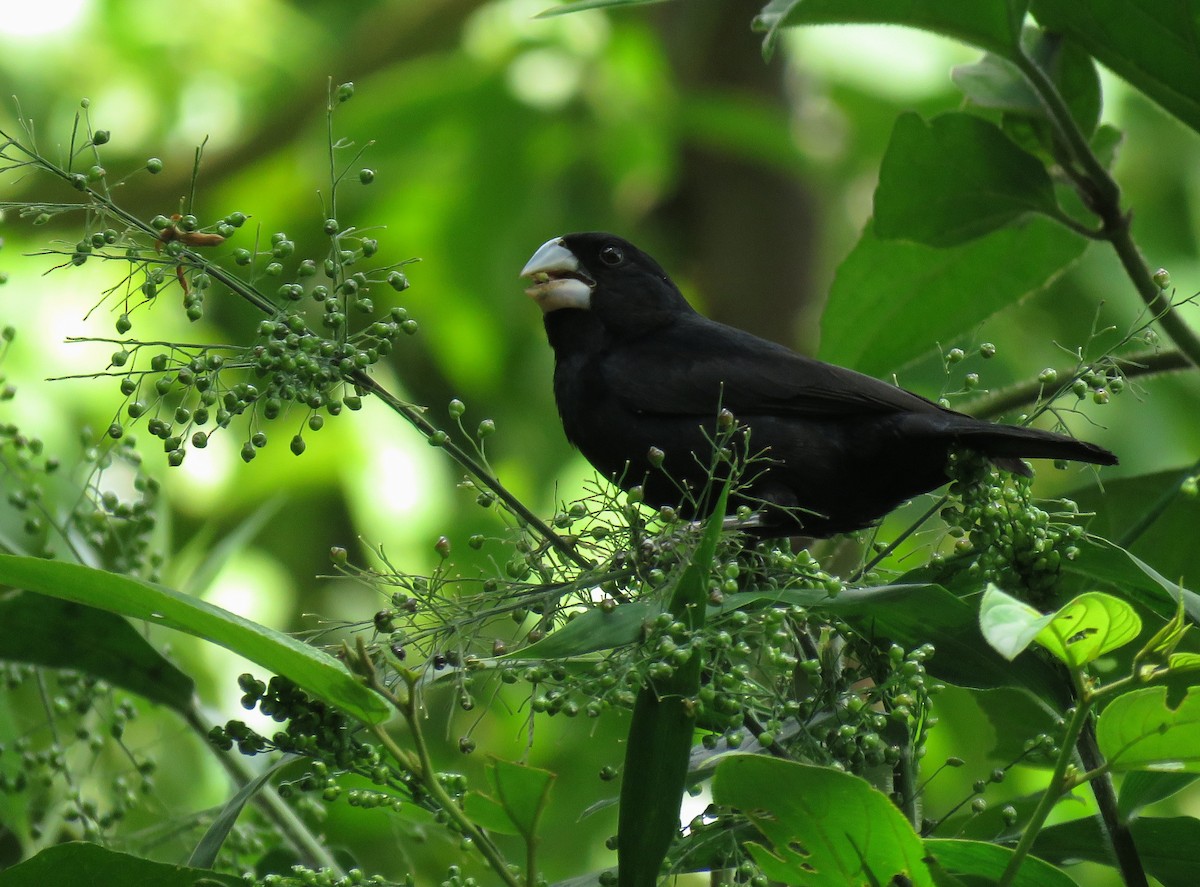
x: 558, y: 281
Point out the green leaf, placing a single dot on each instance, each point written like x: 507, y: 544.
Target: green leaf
x: 983, y: 860
x: 891, y: 301
x: 580, y: 5
x: 822, y: 826
x: 593, y: 630
x: 1140, y: 731
x: 1154, y: 44
x: 1102, y: 563
x: 1089, y: 626
x: 954, y: 179
x: 1183, y: 661
x: 1008, y: 624
x: 80, y: 863
x: 993, y: 25
x: 523, y: 792
x: 101, y: 644
x: 661, y: 733
x: 995, y: 82
x: 489, y: 813
x: 1169, y: 848
x: 1150, y: 506
x: 205, y: 854
x: 1142, y: 788
x: 316, y: 672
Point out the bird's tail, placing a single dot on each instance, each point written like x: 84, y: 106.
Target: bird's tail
x: 1006, y: 445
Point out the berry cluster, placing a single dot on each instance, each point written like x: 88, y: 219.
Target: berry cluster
x: 1011, y: 540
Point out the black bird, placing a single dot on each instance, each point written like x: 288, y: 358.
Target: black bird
x: 636, y: 368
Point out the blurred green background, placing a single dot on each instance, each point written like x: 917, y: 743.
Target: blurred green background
x: 493, y: 131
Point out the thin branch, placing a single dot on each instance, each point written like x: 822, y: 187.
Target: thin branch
x: 1103, y: 195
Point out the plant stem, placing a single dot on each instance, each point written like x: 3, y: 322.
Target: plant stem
x: 425, y: 770
x: 1054, y: 790
x: 1022, y: 394
x: 1103, y: 195
x: 1126, y: 852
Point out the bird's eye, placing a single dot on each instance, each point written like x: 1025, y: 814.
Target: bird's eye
x: 611, y: 255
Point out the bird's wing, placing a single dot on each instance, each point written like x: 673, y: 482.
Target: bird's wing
x: 690, y: 367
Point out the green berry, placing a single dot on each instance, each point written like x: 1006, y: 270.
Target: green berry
x: 154, y: 166
x: 366, y: 176
x: 101, y: 137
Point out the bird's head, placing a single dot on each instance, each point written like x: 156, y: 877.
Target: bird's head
x: 603, y: 274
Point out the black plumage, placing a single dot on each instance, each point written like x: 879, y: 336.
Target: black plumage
x: 636, y: 368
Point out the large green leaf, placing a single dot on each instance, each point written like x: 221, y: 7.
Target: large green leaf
x: 1102, y: 563
x: 1140, y: 730
x: 60, y: 634
x: 980, y: 859
x: 822, y: 826
x: 314, y: 671
x: 661, y: 733
x: 892, y: 302
x: 1168, y: 847
x: 1151, y: 505
x: 96, y: 866
x: 1154, y: 44
x: 955, y: 178
x: 994, y: 25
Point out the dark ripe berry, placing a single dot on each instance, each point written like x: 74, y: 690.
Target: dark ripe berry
x: 439, y: 661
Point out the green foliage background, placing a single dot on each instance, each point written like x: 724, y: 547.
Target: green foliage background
x: 494, y: 131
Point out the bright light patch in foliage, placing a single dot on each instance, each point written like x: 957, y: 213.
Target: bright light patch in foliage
x: 1080, y: 632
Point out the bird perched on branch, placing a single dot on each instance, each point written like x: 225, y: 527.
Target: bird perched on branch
x: 640, y: 378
